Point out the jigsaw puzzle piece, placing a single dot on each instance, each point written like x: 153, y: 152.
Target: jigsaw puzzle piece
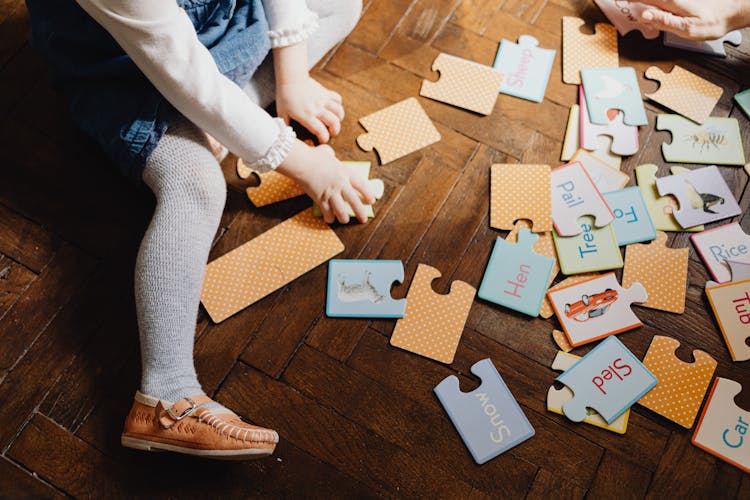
x: 561, y: 341
x: 632, y: 222
x: 609, y: 379
x: 595, y: 249
x: 702, y: 194
x: 432, y: 324
x: 682, y: 386
x: 466, y: 84
x: 730, y: 303
x: 273, y: 188
x: 543, y: 246
x: 547, y: 311
x: 709, y: 47
x: 661, y: 270
x: 684, y: 92
x: 489, y: 419
x: 520, y: 192
x: 362, y: 170
x: 613, y: 88
x: 719, y: 245
x: 624, y: 137
x: 596, y: 308
x: 605, y: 177
x: 572, y: 142
x: 397, y: 130
x: 516, y: 276
x: 723, y: 427
x: 556, y: 398
x: 526, y: 68
x: 362, y: 289
x: 660, y: 208
x: 717, y: 141
x: 574, y: 195
x: 740, y: 270
x: 587, y: 51
x: 743, y: 100
x: 625, y: 16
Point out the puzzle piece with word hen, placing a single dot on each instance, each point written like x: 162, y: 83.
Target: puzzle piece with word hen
x: 682, y: 386
x: 684, y: 92
x: 587, y: 51
x: 397, y: 130
x: 489, y: 419
x: 433, y: 324
x: 609, y: 379
x: 463, y: 83
x: 731, y: 305
x: 574, y: 195
x: 543, y: 246
x: 520, y: 192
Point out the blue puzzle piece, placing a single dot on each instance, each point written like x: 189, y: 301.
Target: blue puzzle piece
x: 516, y: 276
x: 525, y: 67
x: 632, y: 222
x: 362, y: 289
x: 488, y: 419
x: 609, y: 379
x: 613, y: 88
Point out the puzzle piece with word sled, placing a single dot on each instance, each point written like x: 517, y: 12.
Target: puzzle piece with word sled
x: 684, y: 92
x: 574, y: 195
x: 606, y: 177
x: 526, y: 68
x: 596, y: 308
x: 580, y: 50
x: 660, y: 208
x: 613, y: 88
x: 717, y: 141
x: 572, y: 142
x: 489, y: 419
x: 626, y: 17
x: 362, y: 170
x: 719, y: 245
x: 731, y: 305
x: 266, y: 263
x: 520, y: 192
x: 556, y: 398
x: 398, y: 130
x: 702, y: 194
x: 609, y: 379
x: 632, y: 222
x: 362, y: 289
x: 466, y: 84
x: 516, y: 276
x: 595, y: 249
x: 432, y: 324
x: 682, y: 386
x: 709, y: 47
x: 625, y: 140
x: 723, y: 427
x: 543, y: 246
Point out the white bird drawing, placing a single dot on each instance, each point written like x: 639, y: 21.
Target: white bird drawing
x: 612, y: 88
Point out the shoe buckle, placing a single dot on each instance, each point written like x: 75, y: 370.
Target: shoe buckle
x: 185, y: 413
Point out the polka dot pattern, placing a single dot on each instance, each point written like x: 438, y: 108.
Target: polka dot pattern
x: 546, y: 311
x: 587, y: 51
x: 684, y: 92
x: 543, y: 246
x: 397, y: 130
x: 682, y: 386
x: 520, y: 192
x: 274, y: 187
x: 661, y: 270
x: 463, y: 83
x: 266, y: 263
x: 562, y: 341
x: 432, y: 324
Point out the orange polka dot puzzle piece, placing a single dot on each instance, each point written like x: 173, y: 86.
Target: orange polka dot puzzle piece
x: 433, y: 324
x: 520, y: 192
x: 682, y: 386
x: 684, y: 92
x: 587, y: 51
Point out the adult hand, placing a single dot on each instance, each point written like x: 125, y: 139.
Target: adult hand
x: 697, y: 19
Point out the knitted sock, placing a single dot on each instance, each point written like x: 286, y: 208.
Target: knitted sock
x: 190, y: 194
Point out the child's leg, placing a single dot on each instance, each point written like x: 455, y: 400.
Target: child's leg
x: 337, y: 19
x: 190, y: 194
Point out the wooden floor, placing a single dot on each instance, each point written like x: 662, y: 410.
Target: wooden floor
x: 356, y: 416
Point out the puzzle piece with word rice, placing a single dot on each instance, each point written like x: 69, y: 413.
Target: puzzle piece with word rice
x: 543, y: 246
x: 596, y: 308
x: 625, y: 140
x: 556, y: 398
x: 613, y: 88
x: 606, y: 178
x: 362, y: 289
x: 719, y: 245
x: 572, y: 142
x: 574, y: 195
x: 432, y: 324
x: 632, y: 222
x: 730, y: 303
x: 723, y: 427
x: 595, y: 249
x: 660, y: 208
x: 716, y: 141
x: 398, y: 130
x: 466, y: 84
x: 709, y: 47
x: 526, y: 68
x: 609, y: 379
x: 520, y: 192
x: 362, y: 170
x: 682, y: 386
x: 702, y: 194
x: 626, y: 17
x: 489, y: 419
x: 684, y: 92
x: 516, y: 276
x: 547, y: 311
x: 580, y: 50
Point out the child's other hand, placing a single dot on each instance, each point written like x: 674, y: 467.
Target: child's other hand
x: 315, y: 107
x: 329, y: 182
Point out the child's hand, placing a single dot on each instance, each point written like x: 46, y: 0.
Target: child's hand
x: 315, y: 107
x: 329, y: 183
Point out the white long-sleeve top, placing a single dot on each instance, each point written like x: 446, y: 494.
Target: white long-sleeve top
x: 160, y: 39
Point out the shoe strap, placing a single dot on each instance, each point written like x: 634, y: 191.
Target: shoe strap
x: 181, y: 409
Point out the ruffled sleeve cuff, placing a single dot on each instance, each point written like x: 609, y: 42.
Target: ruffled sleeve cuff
x: 291, y: 35
x: 278, y: 151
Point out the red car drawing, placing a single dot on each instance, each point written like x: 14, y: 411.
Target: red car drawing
x: 591, y: 306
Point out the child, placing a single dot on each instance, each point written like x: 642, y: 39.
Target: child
x: 148, y: 79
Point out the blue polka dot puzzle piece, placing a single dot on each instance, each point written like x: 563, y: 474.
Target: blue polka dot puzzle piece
x: 362, y: 289
x: 613, y: 88
x: 632, y: 222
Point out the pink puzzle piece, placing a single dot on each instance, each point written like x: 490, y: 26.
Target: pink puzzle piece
x: 574, y: 195
x: 624, y: 137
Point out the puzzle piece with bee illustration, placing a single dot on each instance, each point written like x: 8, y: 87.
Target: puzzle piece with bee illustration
x: 709, y: 47
x: 362, y: 289
x: 702, y: 194
x: 717, y: 142
x: 660, y: 208
x: 574, y: 195
x: 626, y: 17
x: 582, y: 50
x: 625, y: 140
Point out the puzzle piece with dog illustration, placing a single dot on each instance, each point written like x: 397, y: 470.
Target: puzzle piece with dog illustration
x: 362, y: 289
